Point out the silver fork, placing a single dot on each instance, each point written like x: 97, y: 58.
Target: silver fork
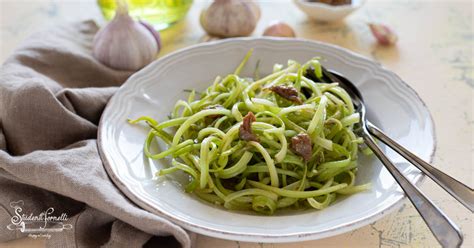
x: 445, y: 231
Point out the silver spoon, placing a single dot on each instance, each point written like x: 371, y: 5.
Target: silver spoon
x: 458, y: 190
x: 445, y: 231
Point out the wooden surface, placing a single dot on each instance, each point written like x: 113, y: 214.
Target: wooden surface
x: 434, y: 55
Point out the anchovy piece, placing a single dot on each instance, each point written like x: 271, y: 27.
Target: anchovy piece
x: 245, y: 130
x: 301, y: 144
x: 287, y: 92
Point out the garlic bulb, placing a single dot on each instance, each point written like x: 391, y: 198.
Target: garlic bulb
x: 279, y: 29
x: 230, y: 18
x: 125, y: 44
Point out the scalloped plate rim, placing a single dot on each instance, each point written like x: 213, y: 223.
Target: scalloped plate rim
x: 294, y: 237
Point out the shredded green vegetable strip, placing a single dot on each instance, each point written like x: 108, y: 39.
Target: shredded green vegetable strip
x: 267, y: 173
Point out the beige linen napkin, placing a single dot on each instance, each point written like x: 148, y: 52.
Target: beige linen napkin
x: 52, y: 93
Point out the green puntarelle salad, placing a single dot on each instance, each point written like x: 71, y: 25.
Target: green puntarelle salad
x: 282, y: 141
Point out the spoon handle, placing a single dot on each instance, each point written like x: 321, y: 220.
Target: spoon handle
x: 458, y: 190
x: 445, y: 231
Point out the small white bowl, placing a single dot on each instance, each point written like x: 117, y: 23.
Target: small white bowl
x: 325, y: 12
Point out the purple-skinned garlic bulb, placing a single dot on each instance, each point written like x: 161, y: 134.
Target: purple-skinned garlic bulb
x: 230, y: 18
x: 125, y: 44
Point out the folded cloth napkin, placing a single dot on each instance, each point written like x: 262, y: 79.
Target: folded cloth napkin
x: 52, y: 93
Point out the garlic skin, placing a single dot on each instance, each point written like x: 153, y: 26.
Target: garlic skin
x: 208, y: 38
x: 124, y: 44
x: 230, y: 18
x: 279, y: 29
x: 153, y: 32
x: 384, y: 35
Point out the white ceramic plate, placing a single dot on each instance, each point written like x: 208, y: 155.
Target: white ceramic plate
x: 392, y: 105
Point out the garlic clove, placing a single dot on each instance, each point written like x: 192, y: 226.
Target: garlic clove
x: 384, y: 35
x: 230, y: 18
x: 125, y: 44
x: 279, y: 29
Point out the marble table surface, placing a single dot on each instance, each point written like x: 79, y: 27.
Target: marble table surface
x: 434, y: 55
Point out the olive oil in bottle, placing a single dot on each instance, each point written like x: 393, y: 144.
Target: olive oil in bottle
x: 159, y: 13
